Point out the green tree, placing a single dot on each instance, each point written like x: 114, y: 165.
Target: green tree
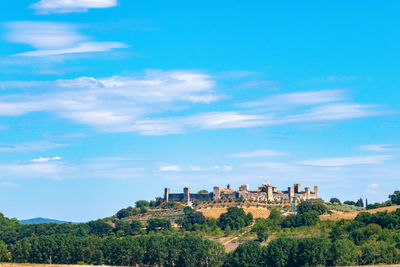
x: 281, y: 252
x: 5, y: 255
x: 360, y: 203
x: 312, y: 251
x: 235, y: 218
x: 99, y: 227
x: 312, y: 204
x: 275, y: 216
x: 142, y: 204
x: 249, y: 254
x: 344, y: 252
x: 158, y: 225
x: 334, y: 200
x: 395, y: 197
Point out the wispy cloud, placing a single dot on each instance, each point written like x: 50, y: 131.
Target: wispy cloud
x: 148, y: 104
x: 53, y: 39
x: 30, y: 146
x: 170, y: 168
x: 347, y: 161
x: 298, y: 99
x: 377, y: 147
x: 68, y: 6
x: 258, y: 153
x: 45, y: 159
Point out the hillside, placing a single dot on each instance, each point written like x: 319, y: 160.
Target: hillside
x: 337, y: 215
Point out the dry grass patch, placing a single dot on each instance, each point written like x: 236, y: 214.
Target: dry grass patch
x: 338, y: 215
x: 216, y: 212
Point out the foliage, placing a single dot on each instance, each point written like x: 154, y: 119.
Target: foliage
x: 235, y: 218
x: 343, y: 207
x: 192, y: 219
x: 349, y: 202
x: 202, y: 191
x: 246, y: 255
x: 127, y: 212
x: 158, y: 225
x: 335, y: 200
x: 395, y: 197
x: 312, y: 204
x: 5, y: 255
x: 302, y: 219
x: 275, y: 216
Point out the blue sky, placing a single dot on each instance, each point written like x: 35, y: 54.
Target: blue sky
x: 105, y: 102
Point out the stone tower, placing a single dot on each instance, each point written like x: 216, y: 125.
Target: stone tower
x: 167, y: 191
x: 308, y: 192
x: 291, y: 192
x: 297, y: 188
x: 270, y: 195
x: 316, y: 191
x: 216, y: 193
x: 186, y: 194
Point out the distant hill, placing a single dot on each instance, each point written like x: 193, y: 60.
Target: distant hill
x: 41, y: 220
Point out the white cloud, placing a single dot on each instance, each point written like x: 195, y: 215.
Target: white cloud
x: 53, y: 38
x: 67, y: 6
x: 258, y: 153
x: 298, y: 98
x: 45, y: 159
x: 347, y: 161
x: 145, y: 104
x: 170, y: 168
x: 376, y: 148
x: 30, y: 146
x: 374, y: 185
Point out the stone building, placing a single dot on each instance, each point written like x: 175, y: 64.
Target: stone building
x: 265, y: 192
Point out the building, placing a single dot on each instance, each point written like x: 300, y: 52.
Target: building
x: 265, y: 192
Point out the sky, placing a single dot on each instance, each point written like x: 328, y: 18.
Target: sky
x: 106, y: 102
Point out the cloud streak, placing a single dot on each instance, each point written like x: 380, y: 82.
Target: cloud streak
x: 160, y: 102
x: 54, y: 39
x: 68, y: 6
x: 347, y: 161
x: 258, y: 153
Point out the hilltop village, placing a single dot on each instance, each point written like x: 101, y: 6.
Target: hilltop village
x: 265, y: 192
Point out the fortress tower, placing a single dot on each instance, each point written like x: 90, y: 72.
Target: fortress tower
x: 308, y: 192
x: 216, y: 193
x: 297, y: 188
x: 316, y: 191
x: 167, y: 191
x: 186, y: 194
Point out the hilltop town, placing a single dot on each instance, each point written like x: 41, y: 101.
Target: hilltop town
x: 265, y: 192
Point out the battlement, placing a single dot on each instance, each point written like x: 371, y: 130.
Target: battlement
x: 265, y: 192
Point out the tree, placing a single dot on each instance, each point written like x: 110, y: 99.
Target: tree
x: 235, y: 218
x: 158, y: 225
x: 344, y: 252
x: 142, y: 204
x: 248, y: 254
x: 312, y: 251
x: 281, y: 252
x: 99, y: 227
x: 360, y: 203
x: 335, y: 200
x: 275, y: 216
x: 202, y: 191
x: 395, y: 197
x: 5, y: 255
x: 136, y: 227
x: 312, y: 204
x: 349, y: 202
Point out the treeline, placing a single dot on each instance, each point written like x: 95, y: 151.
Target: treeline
x: 157, y: 249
